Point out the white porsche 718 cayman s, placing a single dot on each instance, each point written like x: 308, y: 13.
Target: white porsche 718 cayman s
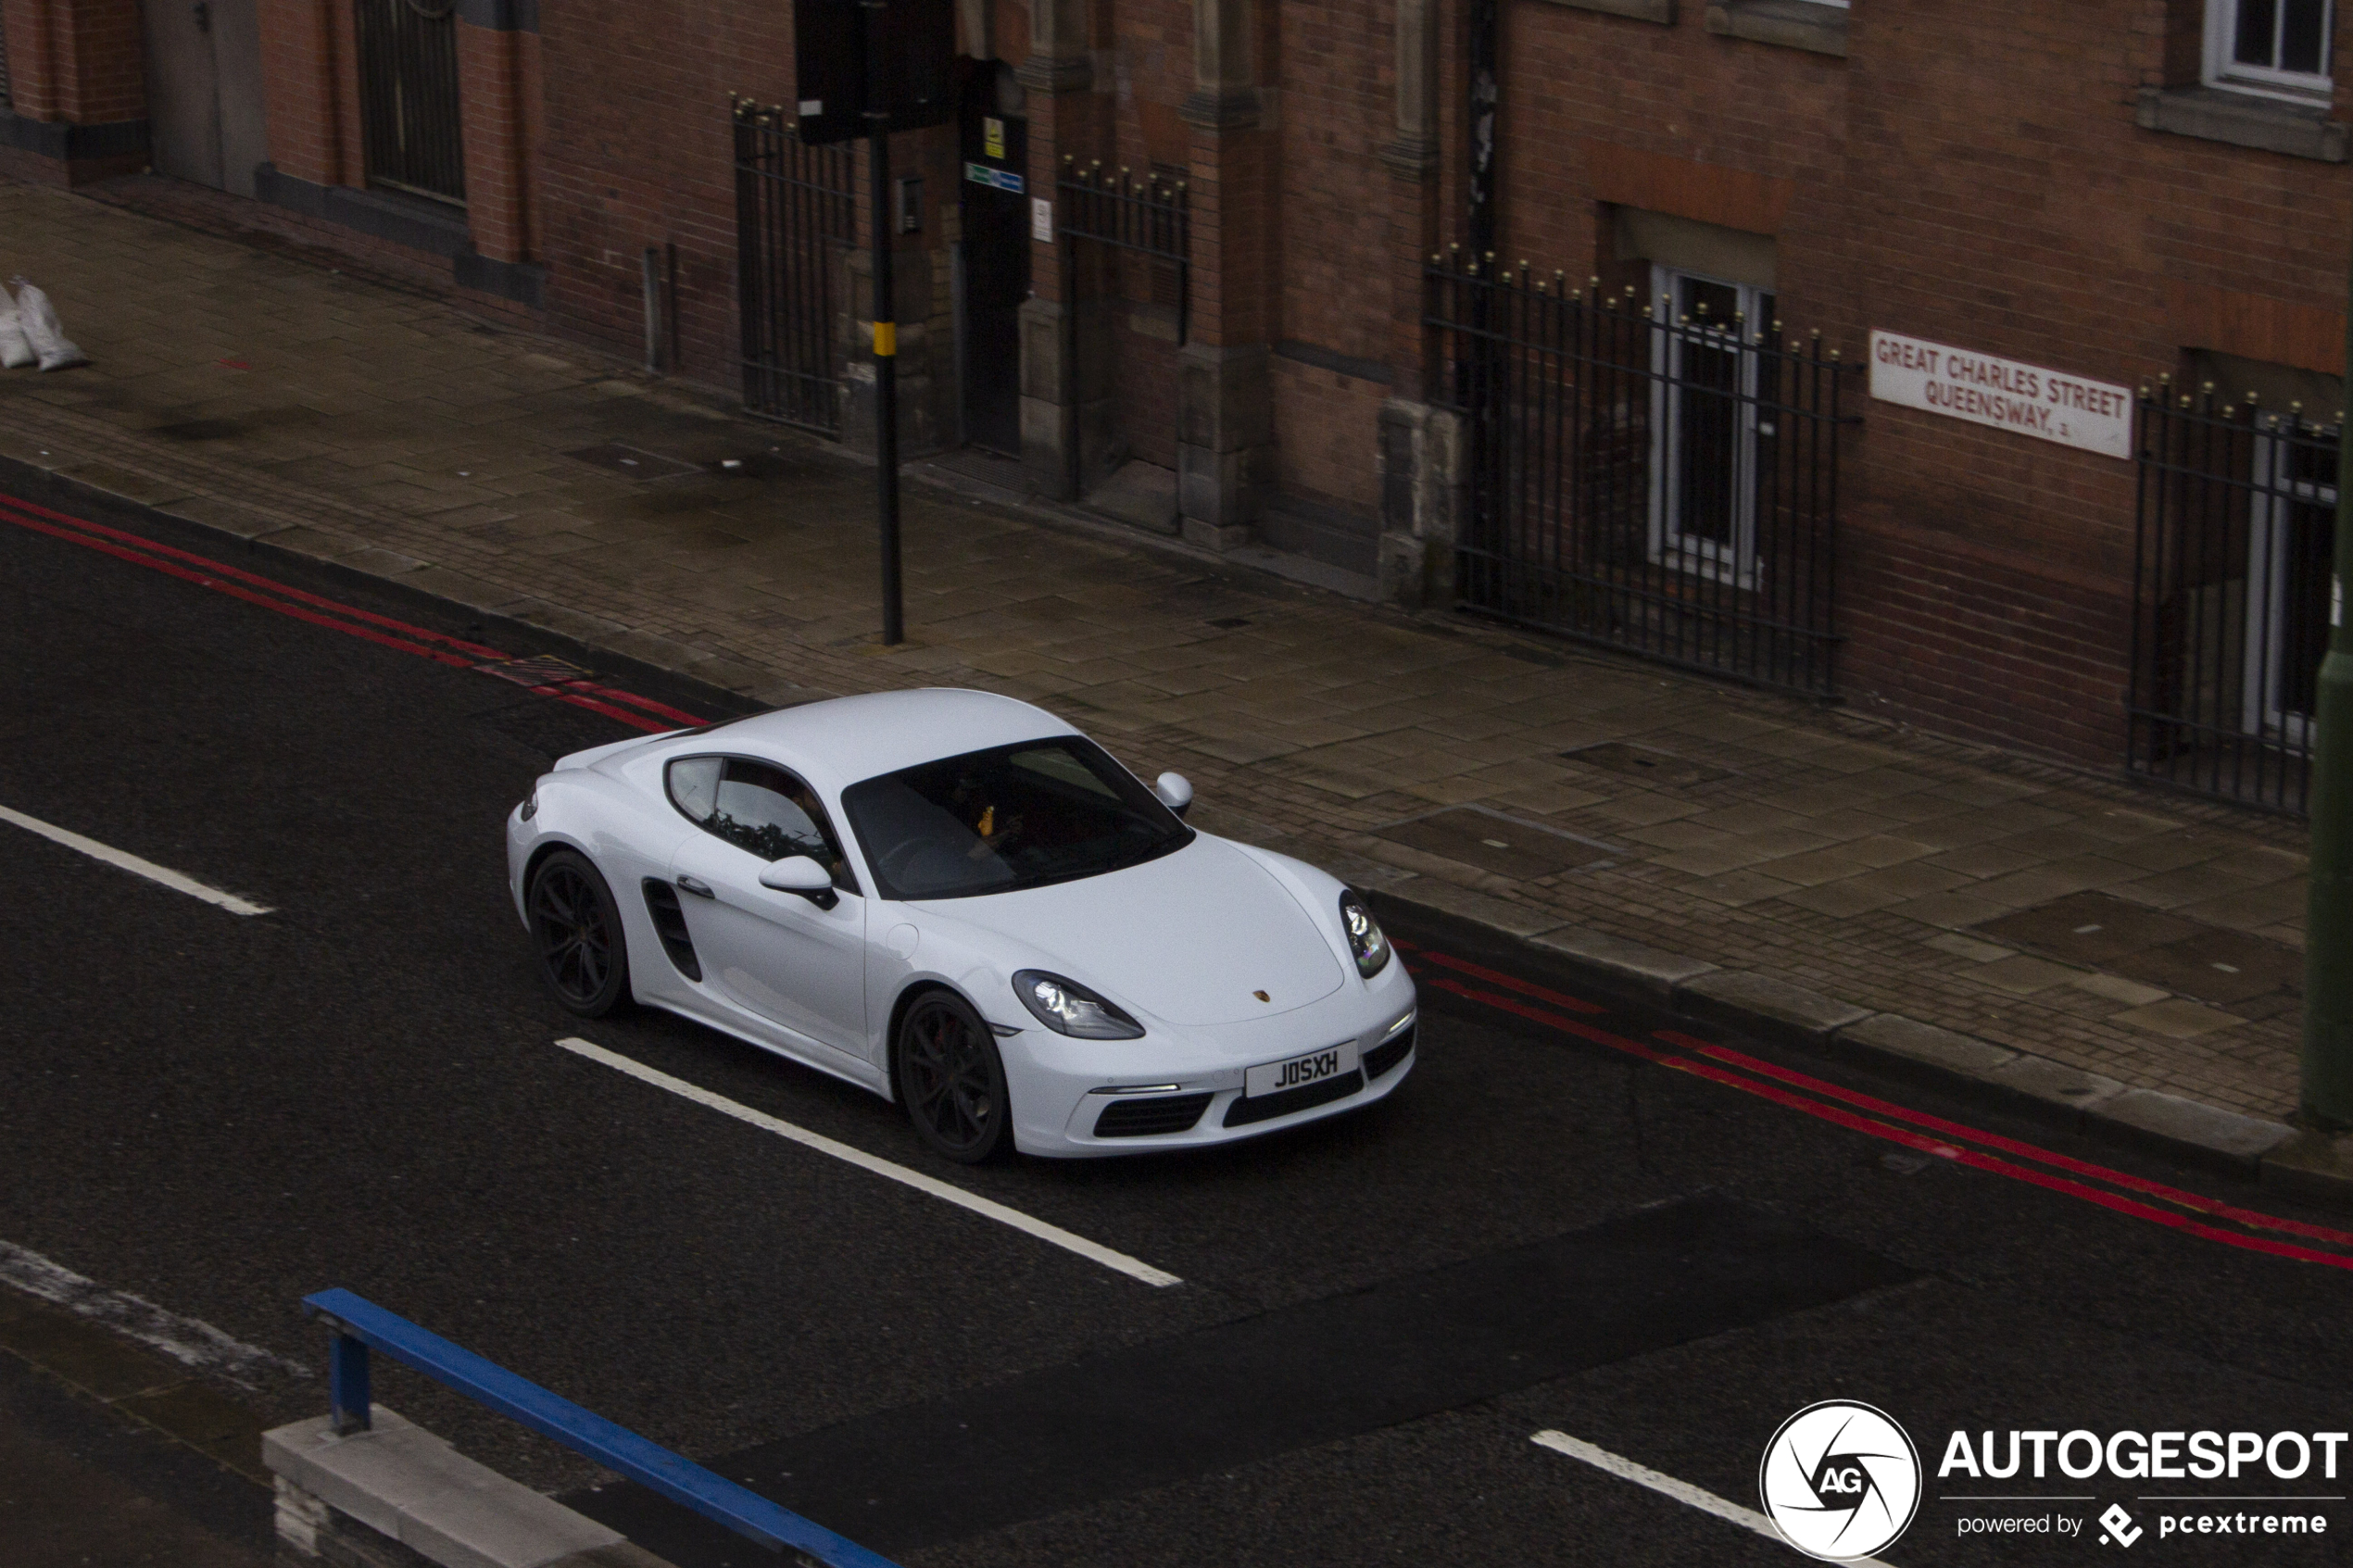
x: 959, y: 902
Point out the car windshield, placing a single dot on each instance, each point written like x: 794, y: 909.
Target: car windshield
x: 1008, y: 818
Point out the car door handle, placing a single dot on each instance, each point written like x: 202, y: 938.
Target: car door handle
x: 698, y: 888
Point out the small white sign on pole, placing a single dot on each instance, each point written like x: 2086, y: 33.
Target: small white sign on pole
x: 1041, y: 219
x: 1982, y: 389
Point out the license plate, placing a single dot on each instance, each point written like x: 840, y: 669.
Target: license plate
x: 1299, y: 1071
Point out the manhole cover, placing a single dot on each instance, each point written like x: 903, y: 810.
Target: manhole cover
x: 633, y: 462
x: 2217, y: 965
x: 1641, y: 762
x: 1495, y: 843
x: 542, y: 670
x: 2089, y: 928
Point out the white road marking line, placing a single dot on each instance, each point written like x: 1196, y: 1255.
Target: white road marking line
x: 988, y: 1208
x: 185, y: 1340
x: 134, y: 865
x: 1681, y: 1491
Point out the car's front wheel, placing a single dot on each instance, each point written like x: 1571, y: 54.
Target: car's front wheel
x: 950, y: 1078
x: 576, y: 926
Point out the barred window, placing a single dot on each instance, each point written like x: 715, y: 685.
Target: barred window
x: 2277, y: 47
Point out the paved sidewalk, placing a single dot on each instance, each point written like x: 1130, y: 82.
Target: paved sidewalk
x: 2151, y: 939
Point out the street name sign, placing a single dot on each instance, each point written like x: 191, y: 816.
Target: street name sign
x: 1983, y: 389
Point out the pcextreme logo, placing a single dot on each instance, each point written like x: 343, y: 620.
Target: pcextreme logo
x: 1840, y: 1480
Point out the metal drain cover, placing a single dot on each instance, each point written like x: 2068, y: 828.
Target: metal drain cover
x: 1495, y: 843
x: 541, y: 670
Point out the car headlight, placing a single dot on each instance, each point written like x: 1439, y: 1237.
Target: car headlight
x: 1365, y: 939
x: 530, y: 808
x: 1068, y: 1008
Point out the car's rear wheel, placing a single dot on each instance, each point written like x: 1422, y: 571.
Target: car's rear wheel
x: 952, y: 1080
x: 577, y: 925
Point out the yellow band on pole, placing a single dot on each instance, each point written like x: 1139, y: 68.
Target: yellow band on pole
x: 886, y: 338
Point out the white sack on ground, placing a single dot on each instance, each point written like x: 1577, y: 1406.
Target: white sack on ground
x: 16, y: 352
x: 38, y: 320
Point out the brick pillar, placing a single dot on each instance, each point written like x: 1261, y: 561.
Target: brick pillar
x: 305, y: 95
x: 77, y: 89
x: 1421, y: 445
x: 498, y: 59
x: 1064, y: 117
x: 1225, y: 426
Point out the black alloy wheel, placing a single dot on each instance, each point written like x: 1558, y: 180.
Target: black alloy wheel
x: 950, y: 1078
x: 576, y: 926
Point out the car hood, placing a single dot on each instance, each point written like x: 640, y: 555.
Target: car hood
x: 1190, y: 937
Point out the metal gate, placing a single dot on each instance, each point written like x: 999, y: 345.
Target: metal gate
x: 1662, y: 481
x: 1127, y: 246
x: 408, y: 96
x: 796, y: 214
x: 2231, y: 604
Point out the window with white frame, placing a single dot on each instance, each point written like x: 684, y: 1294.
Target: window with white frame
x: 2277, y: 47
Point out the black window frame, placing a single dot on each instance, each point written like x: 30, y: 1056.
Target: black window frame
x: 844, y: 877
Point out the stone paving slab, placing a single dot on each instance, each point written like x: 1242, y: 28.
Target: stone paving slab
x: 1814, y: 848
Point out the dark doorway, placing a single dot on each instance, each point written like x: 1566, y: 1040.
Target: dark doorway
x: 204, y: 91
x: 994, y: 152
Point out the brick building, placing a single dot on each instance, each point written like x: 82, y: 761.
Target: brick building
x: 1223, y: 267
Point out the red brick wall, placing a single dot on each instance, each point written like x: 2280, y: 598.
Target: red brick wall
x: 1971, y: 174
x: 76, y: 60
x: 493, y: 90
x: 303, y: 88
x: 639, y: 151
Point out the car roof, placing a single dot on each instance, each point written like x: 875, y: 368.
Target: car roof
x: 858, y: 737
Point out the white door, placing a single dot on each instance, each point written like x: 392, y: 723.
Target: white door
x: 776, y: 955
x: 2291, y: 539
x: 1706, y: 423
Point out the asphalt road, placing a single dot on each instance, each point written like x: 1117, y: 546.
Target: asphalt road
x: 1557, y: 1224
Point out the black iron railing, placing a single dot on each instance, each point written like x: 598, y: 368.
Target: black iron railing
x: 796, y: 214
x: 408, y: 111
x: 1148, y: 217
x: 1668, y: 487
x: 2231, y: 594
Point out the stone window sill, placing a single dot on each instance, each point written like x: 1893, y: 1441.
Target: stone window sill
x: 1641, y: 10
x: 1794, y: 25
x: 2243, y: 119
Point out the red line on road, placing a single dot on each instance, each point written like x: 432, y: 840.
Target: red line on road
x: 204, y: 579
x: 256, y: 589
x: 206, y: 563
x: 2012, y: 1146
x: 1919, y: 1141
x: 1497, y: 977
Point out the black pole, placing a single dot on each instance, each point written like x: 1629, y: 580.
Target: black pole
x: 886, y: 329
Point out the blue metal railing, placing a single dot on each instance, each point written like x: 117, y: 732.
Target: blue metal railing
x: 360, y: 1326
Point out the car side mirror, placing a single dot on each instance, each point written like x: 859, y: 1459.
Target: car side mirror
x: 1175, y: 791
x: 800, y: 874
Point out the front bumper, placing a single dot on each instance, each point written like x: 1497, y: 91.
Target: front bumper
x: 1190, y: 1095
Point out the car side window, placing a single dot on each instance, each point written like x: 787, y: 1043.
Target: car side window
x: 694, y: 786
x: 766, y: 810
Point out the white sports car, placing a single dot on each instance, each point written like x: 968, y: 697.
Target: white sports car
x: 958, y: 901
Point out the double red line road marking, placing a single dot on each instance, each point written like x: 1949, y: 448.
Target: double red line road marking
x: 627, y: 708
x: 2191, y: 1213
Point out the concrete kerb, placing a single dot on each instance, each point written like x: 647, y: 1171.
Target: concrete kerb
x: 395, y: 1496
x: 2051, y: 1092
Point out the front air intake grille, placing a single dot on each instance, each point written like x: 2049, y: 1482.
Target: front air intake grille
x: 1389, y: 1053
x: 1144, y: 1118
x: 670, y: 925
x: 1245, y: 1111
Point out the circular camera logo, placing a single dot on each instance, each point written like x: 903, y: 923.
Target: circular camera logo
x: 1840, y: 1479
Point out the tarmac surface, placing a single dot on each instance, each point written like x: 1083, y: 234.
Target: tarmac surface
x: 1581, y: 1213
